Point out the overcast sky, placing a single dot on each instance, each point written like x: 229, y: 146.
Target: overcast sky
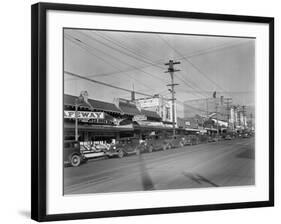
x: 134, y: 60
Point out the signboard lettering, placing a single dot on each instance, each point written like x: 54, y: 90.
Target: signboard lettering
x: 84, y: 115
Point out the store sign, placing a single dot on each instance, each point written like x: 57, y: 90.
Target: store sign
x: 150, y: 124
x: 83, y: 115
x: 139, y: 118
x: 152, y: 102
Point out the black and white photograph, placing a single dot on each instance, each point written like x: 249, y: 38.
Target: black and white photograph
x: 139, y: 111
x: 147, y: 111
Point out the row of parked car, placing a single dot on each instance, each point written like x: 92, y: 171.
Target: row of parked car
x: 127, y: 146
x: 76, y: 153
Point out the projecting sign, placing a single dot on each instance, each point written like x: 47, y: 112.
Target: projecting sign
x: 152, y: 102
x: 84, y: 115
x: 139, y: 118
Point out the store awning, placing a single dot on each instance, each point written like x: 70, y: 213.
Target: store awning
x: 100, y: 128
x: 129, y: 109
x: 150, y: 125
x: 96, y: 104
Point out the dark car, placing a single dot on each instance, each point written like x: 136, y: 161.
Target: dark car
x: 155, y: 142
x: 175, y: 141
x: 191, y: 140
x: 72, y: 154
x: 211, y: 139
x: 214, y: 138
x: 217, y: 138
x: 228, y: 137
x: 125, y: 146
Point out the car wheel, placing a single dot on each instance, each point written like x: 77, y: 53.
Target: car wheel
x: 120, y: 153
x: 150, y: 148
x: 75, y: 160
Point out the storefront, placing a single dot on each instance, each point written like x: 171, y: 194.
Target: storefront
x: 105, y: 122
x: 97, y: 120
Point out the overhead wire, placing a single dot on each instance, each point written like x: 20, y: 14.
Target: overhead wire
x: 105, y: 84
x: 180, y: 54
x: 141, y: 56
x: 77, y: 42
x: 121, y: 61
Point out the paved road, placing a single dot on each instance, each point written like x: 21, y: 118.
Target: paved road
x: 226, y: 163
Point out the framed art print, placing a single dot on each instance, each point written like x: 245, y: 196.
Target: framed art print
x: 138, y: 111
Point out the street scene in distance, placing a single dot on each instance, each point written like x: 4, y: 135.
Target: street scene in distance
x: 157, y: 111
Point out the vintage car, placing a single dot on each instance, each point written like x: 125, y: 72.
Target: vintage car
x: 203, y: 138
x: 217, y: 138
x: 72, y: 154
x: 92, y: 151
x: 155, y: 142
x: 175, y: 141
x: 125, y: 146
x: 214, y: 138
x: 210, y: 139
x: 191, y: 140
x: 228, y: 137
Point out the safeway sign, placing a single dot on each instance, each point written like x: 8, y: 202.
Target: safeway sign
x: 84, y: 115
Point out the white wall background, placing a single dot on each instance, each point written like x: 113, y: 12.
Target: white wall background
x: 15, y: 110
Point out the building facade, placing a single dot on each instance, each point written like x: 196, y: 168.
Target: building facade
x: 160, y: 105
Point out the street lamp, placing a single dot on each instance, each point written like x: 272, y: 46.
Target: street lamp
x: 78, y: 101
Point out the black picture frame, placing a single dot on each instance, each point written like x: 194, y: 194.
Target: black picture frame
x: 38, y: 109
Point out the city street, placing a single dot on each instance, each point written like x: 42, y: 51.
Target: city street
x: 217, y: 164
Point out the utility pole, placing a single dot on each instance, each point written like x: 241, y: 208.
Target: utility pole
x: 217, y: 122
x: 228, y: 101
x: 207, y: 108
x: 251, y: 117
x: 171, y: 70
x: 244, y: 115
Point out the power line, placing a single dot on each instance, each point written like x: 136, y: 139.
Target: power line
x: 179, y: 55
x: 105, y: 84
x: 214, y: 49
x: 120, y: 88
x: 195, y: 67
x: 77, y: 42
x: 117, y: 59
x: 121, y: 51
x: 121, y: 45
